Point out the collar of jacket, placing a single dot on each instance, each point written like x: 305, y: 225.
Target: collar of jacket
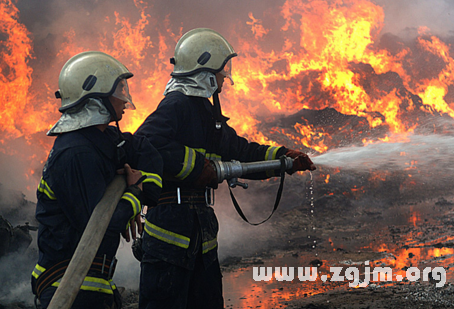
x: 210, y: 109
x: 101, y: 140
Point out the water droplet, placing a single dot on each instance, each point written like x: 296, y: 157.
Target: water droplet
x: 309, y: 193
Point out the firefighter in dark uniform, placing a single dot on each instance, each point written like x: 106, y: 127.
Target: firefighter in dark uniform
x: 180, y: 267
x: 86, y: 156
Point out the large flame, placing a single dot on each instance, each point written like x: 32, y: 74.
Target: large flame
x: 15, y: 73
x: 329, y: 57
x: 301, y: 56
x: 311, y: 55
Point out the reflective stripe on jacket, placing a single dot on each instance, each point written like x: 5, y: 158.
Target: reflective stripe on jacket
x: 183, y: 130
x: 94, y: 284
x: 79, y: 168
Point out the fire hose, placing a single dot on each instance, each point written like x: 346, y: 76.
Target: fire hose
x: 231, y: 171
x: 97, y: 225
x: 88, y: 246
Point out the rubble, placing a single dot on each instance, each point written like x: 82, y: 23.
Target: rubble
x: 14, y: 239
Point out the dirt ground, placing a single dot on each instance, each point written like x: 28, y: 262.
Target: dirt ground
x: 386, y: 223
x: 400, y: 230
x: 387, y: 226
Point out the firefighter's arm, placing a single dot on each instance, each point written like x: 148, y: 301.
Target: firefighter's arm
x: 82, y: 186
x: 242, y: 150
x: 141, y: 155
x: 181, y: 162
x: 133, y: 193
x: 251, y: 151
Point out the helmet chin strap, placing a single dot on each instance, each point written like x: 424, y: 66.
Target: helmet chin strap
x: 217, y: 110
x: 109, y: 106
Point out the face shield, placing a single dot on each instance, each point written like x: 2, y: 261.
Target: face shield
x: 122, y: 93
x: 227, y: 71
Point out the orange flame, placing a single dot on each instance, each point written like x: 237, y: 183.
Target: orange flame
x: 316, y: 55
x: 15, y: 73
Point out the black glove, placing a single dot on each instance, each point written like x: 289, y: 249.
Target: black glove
x: 301, y: 161
x: 136, y: 248
x: 208, y: 177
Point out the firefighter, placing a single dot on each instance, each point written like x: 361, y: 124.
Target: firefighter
x: 180, y: 267
x: 86, y: 155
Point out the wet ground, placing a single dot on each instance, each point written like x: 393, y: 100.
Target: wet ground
x: 404, y: 231
x: 347, y: 235
x: 353, y: 220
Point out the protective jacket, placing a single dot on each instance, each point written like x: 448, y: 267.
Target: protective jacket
x: 183, y: 130
x: 80, y: 166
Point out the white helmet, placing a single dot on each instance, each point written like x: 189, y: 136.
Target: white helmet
x: 92, y: 74
x: 199, y: 50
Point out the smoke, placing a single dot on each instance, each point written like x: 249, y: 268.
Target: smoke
x: 15, y: 274
x: 43, y: 18
x: 127, y: 273
x: 54, y: 16
x: 404, y: 17
x: 21, y: 168
x: 238, y: 238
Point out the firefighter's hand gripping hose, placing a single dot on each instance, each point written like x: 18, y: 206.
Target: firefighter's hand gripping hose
x: 134, y: 180
x: 208, y: 177
x: 301, y: 161
x: 136, y: 248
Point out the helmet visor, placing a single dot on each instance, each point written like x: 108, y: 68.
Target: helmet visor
x: 122, y: 93
x: 227, y: 71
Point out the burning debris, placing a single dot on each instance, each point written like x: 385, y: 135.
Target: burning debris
x: 375, y: 109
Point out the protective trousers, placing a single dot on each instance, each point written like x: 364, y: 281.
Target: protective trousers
x: 167, y: 286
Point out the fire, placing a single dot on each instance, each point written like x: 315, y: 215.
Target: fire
x: 311, y: 56
x: 415, y: 218
x: 15, y: 73
x: 300, y: 57
x: 310, y: 137
x: 411, y: 165
x: 257, y: 27
x: 327, y: 179
x: 439, y: 252
x: 328, y: 58
x: 433, y: 91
